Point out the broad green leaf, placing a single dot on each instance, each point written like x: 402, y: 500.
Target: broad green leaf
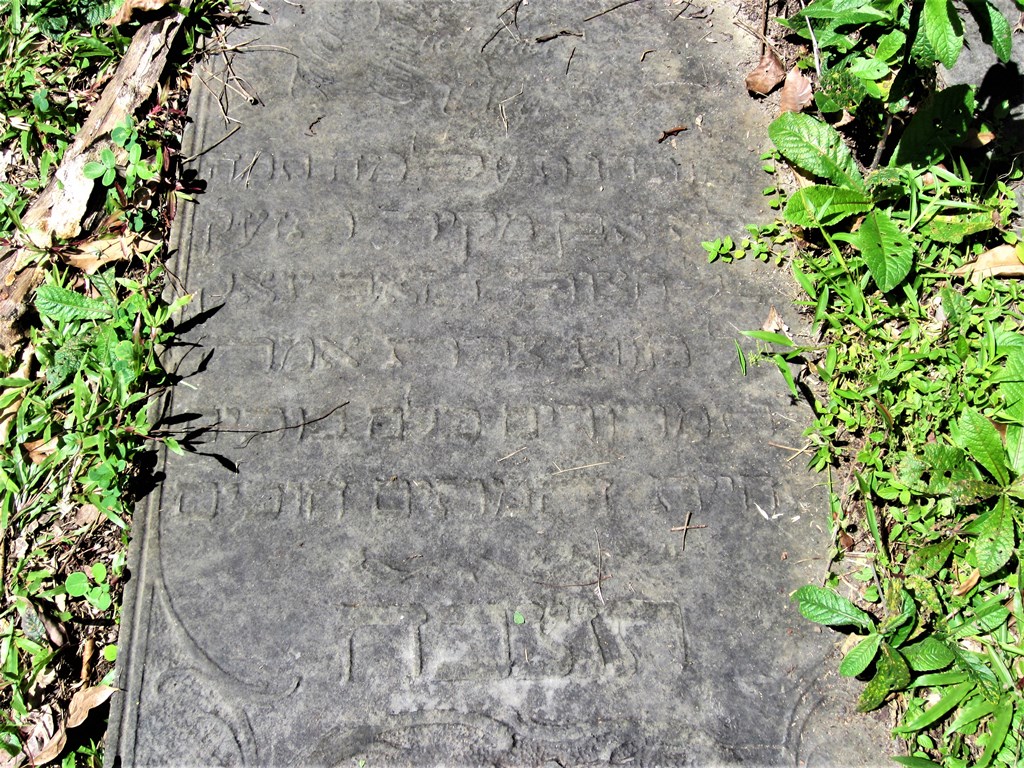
x: 977, y: 670
x: 58, y: 303
x: 822, y: 205
x: 824, y: 606
x: 953, y: 229
x: 928, y: 655
x: 892, y: 674
x: 817, y: 148
x: 943, y: 29
x: 890, y: 46
x: 869, y: 69
x: 995, y: 29
x: 886, y: 249
x: 980, y: 438
x: 941, y: 122
x: 927, y: 560
x: 994, y: 544
x: 1011, y: 387
x: 77, y: 584
x: 950, y: 698
x: 998, y: 729
x: 93, y: 170
x: 860, y: 656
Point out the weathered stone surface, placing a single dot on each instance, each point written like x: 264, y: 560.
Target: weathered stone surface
x: 479, y: 245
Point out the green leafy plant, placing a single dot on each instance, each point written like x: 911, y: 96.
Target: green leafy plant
x: 916, y: 373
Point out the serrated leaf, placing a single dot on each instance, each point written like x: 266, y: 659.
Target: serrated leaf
x: 860, y: 656
x: 817, y: 148
x: 928, y: 655
x: 892, y: 674
x: 929, y: 559
x: 886, y: 249
x: 1011, y: 387
x: 953, y: 229
x: 995, y: 29
x: 823, y: 205
x: 994, y: 545
x: 980, y: 438
x: 58, y: 303
x: 977, y: 670
x: 824, y: 606
x: 944, y: 31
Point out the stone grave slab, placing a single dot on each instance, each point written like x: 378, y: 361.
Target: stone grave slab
x: 468, y: 375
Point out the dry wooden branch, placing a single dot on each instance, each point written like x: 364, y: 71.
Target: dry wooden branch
x: 58, y: 210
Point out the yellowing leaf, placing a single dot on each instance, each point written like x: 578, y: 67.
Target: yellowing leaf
x: 1001, y: 261
x: 766, y: 75
x: 85, y: 700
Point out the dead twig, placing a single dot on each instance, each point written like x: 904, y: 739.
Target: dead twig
x: 672, y: 132
x: 253, y: 433
x: 556, y: 35
x: 573, y: 469
x: 686, y: 527
x: 501, y: 106
x: 567, y: 63
x: 609, y: 10
x: 514, y: 453
x: 600, y: 568
x: 218, y: 142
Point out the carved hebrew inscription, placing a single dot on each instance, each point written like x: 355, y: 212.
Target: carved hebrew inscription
x: 462, y: 377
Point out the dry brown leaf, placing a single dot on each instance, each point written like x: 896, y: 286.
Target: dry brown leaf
x: 87, y: 514
x: 86, y: 700
x: 797, y: 93
x: 768, y: 73
x: 95, y: 253
x: 124, y: 13
x: 45, y: 739
x: 978, y: 139
x: 968, y: 585
x: 1002, y: 261
x: 774, y: 323
x: 38, y: 450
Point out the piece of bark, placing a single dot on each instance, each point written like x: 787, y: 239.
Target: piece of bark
x: 58, y: 210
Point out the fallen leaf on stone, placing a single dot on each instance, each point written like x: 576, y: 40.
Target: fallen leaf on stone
x: 968, y: 585
x: 86, y: 700
x: 1002, y: 261
x: 796, y: 92
x: 124, y: 13
x: 768, y: 73
x: 774, y: 323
